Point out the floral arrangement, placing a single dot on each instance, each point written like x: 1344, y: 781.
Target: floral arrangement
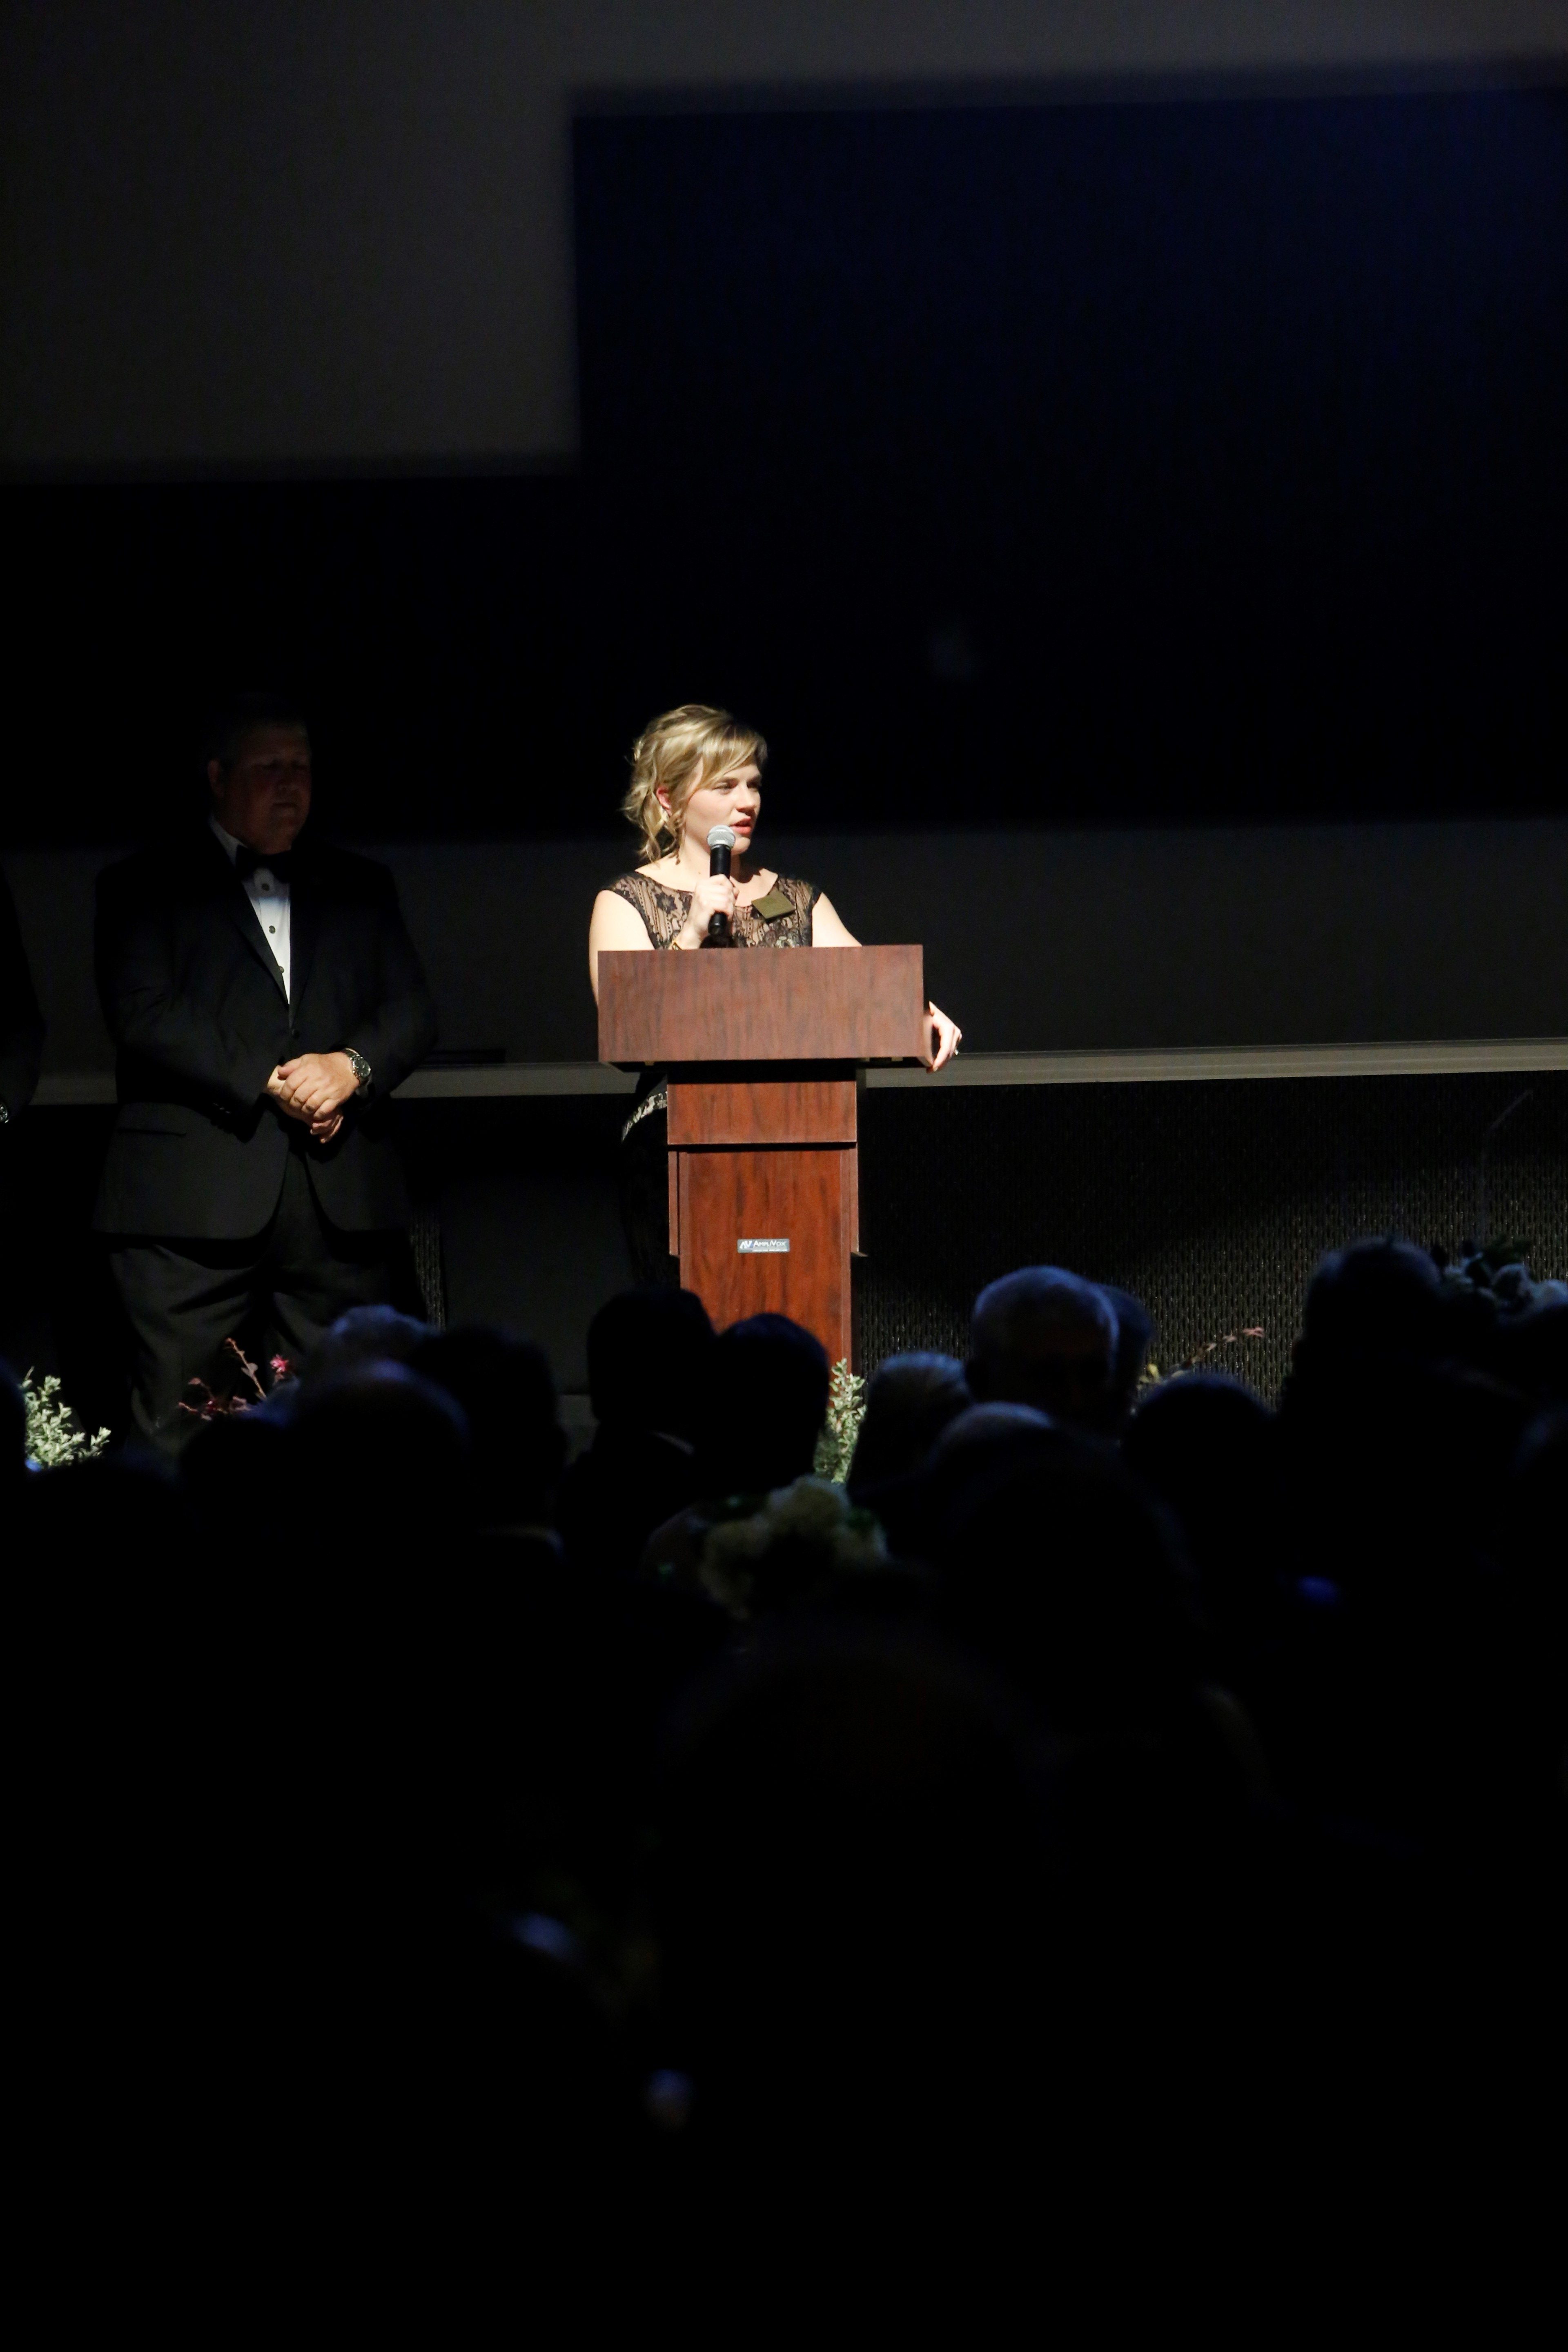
x: 845, y: 1411
x: 1151, y: 1377
x: 1478, y: 1262
x: 53, y: 1437
x: 1499, y: 1274
x: 798, y: 1539
x: 216, y: 1404
x: 1501, y: 1268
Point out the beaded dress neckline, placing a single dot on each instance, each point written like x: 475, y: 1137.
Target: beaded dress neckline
x: 664, y: 911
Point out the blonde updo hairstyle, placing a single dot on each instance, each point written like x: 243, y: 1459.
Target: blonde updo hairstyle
x: 680, y: 751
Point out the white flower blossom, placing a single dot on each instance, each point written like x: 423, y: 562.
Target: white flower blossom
x: 812, y: 1514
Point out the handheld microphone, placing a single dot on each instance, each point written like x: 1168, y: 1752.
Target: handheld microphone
x: 721, y: 841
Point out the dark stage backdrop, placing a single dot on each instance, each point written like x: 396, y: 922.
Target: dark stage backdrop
x: 1095, y: 463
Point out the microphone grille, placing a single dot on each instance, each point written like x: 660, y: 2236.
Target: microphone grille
x: 721, y: 837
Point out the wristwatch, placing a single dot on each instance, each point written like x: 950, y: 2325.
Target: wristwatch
x: 359, y: 1066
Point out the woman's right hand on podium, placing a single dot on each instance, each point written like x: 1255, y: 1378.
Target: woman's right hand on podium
x: 715, y: 896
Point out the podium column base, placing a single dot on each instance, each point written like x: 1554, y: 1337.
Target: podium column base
x: 769, y: 1232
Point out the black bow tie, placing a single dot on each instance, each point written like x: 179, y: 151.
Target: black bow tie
x: 247, y: 862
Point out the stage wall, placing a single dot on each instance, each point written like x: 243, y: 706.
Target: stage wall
x: 1255, y: 936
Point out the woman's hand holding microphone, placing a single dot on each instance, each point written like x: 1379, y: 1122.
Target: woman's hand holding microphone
x: 715, y: 896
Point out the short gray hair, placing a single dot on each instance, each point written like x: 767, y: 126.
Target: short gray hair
x: 1037, y: 1300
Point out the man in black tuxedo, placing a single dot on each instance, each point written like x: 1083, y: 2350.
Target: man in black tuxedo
x: 264, y: 1000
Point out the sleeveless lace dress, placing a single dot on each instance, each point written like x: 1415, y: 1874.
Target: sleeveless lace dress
x: 780, y: 918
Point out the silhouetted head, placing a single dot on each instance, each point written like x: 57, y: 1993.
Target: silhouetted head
x: 648, y: 1360
x: 1533, y: 1515
x: 507, y: 1394
x: 987, y: 1432
x: 376, y: 1450
x: 1046, y: 1337
x: 768, y: 1382
x: 1205, y: 1445
x: 909, y: 1401
x: 1206, y: 1414
x: 232, y: 1472
x: 1135, y: 1337
x: 1540, y: 1468
x: 971, y: 1445
x: 847, y: 1857
x: 1532, y: 1348
x: 1058, y: 1565
x: 1374, y: 1302
x: 366, y: 1334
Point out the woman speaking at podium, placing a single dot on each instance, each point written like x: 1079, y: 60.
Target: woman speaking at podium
x: 693, y: 768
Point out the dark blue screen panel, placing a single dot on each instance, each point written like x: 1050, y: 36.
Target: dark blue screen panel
x: 1112, y: 460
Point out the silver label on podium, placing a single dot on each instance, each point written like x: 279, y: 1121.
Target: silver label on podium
x: 762, y: 1249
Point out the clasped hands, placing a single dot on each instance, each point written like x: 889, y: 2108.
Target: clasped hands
x: 313, y: 1088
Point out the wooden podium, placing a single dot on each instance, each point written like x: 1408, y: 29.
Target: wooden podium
x: 761, y: 1047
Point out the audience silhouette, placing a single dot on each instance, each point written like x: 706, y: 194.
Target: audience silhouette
x: 1142, y: 1776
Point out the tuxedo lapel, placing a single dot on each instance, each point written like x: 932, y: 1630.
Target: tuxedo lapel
x: 304, y: 929
x: 230, y: 893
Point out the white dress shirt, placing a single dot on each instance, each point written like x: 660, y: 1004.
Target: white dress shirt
x: 269, y: 896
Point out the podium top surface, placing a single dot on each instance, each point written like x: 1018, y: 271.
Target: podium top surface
x: 762, y: 1004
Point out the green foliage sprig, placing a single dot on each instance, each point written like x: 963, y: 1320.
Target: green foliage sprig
x: 845, y: 1411
x: 53, y: 1437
